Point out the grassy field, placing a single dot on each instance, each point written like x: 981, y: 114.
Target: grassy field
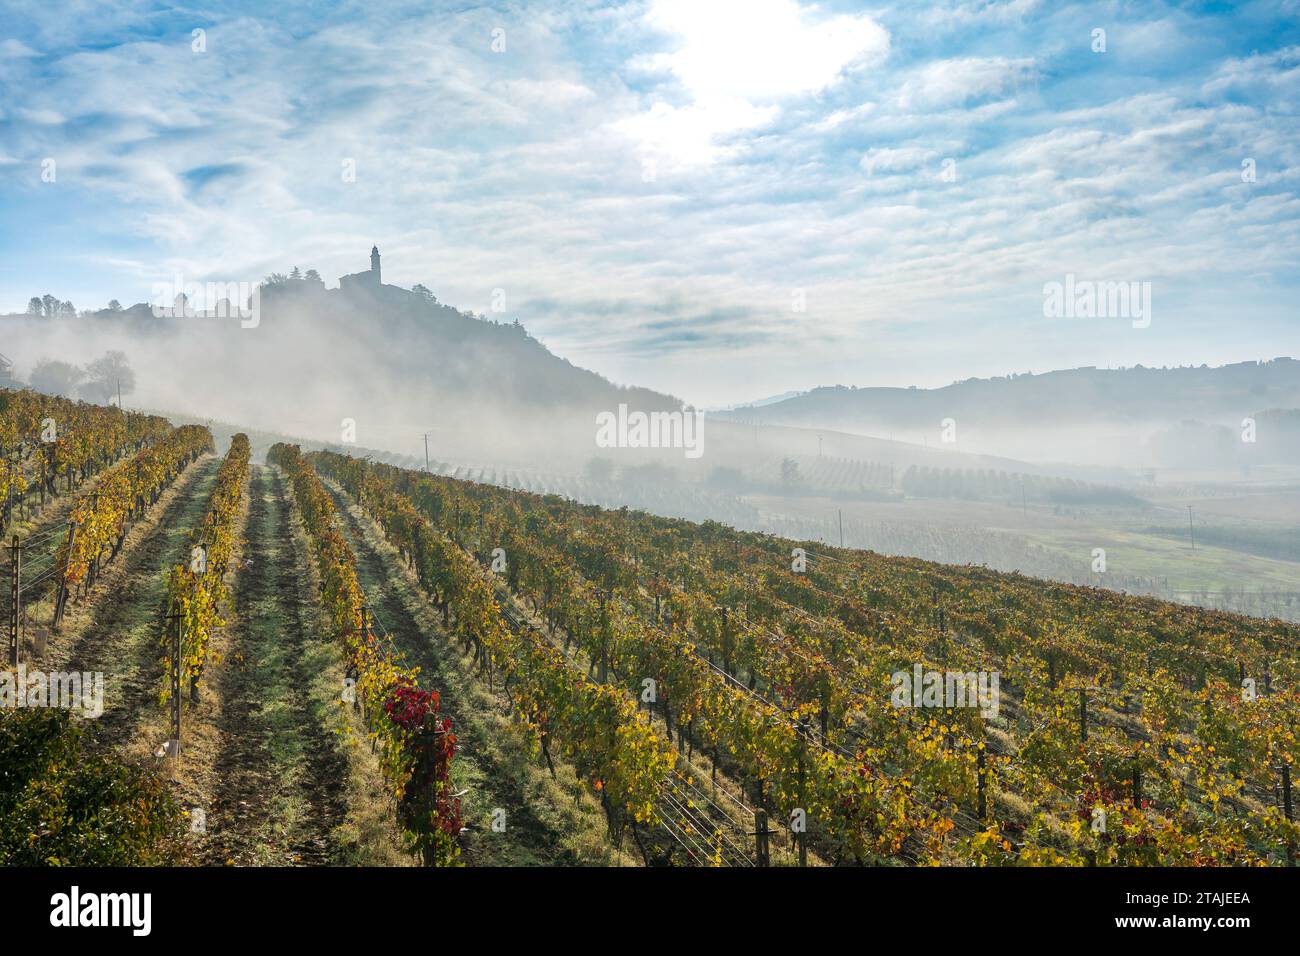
x: 1247, y: 533
x: 1185, y: 568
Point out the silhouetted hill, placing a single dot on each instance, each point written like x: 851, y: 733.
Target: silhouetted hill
x: 413, y: 335
x: 384, y: 363
x: 483, y: 360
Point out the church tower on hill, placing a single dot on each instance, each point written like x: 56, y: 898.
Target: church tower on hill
x: 364, y: 281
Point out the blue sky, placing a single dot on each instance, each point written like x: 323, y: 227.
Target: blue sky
x: 655, y: 185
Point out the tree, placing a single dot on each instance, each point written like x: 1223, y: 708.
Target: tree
x: 67, y: 311
x: 107, y: 375
x: 424, y: 292
x: 789, y: 472
x: 50, y: 304
x: 55, y: 377
x: 296, y: 273
x: 314, y: 276
x: 35, y: 306
x: 114, y: 305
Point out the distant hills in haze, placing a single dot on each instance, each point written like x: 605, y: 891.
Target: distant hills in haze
x: 758, y: 403
x: 401, y: 363
x: 1085, y: 396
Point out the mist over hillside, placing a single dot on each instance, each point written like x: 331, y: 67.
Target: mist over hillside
x: 1100, y: 416
x: 1026, y: 472
x: 396, y: 363
x: 383, y: 366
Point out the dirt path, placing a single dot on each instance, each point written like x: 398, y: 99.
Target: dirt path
x: 544, y: 824
x: 121, y: 638
x: 279, y: 774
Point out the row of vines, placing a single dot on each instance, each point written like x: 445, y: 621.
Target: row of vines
x: 52, y: 444
x: 196, y: 590
x: 415, y: 742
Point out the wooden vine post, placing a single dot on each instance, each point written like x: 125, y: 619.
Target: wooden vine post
x: 174, y: 675
x: 803, y: 760
x: 365, y: 641
x: 1287, y: 809
x: 15, y: 595
x: 762, y: 856
x: 61, y: 598
x: 430, y: 746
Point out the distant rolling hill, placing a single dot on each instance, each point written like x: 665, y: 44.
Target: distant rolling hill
x: 1083, y: 395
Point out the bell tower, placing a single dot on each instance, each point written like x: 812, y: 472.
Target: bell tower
x: 374, y: 264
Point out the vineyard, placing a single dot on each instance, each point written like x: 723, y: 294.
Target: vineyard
x: 777, y: 673
x: 325, y: 659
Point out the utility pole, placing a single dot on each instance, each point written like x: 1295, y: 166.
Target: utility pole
x: 1191, y: 531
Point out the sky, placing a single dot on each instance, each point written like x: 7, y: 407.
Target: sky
x: 721, y: 199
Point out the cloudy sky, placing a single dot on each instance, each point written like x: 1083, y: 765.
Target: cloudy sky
x: 724, y: 199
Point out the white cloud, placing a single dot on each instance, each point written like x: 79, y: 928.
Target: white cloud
x: 736, y: 60
x: 955, y: 82
x: 523, y: 171
x: 761, y: 50
x: 42, y: 117
x: 894, y: 160
x: 839, y: 118
x: 688, y: 135
x: 970, y: 13
x: 1277, y: 72
x: 15, y: 49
